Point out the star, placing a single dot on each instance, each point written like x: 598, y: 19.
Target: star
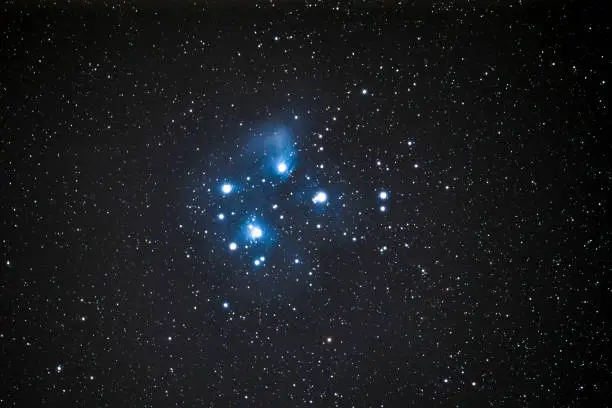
x: 383, y: 208
x: 226, y: 188
x: 226, y: 305
x: 221, y: 216
x: 383, y: 195
x: 319, y: 198
x: 233, y: 246
x: 255, y: 232
x: 281, y: 167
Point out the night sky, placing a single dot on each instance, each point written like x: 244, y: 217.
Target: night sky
x: 289, y: 204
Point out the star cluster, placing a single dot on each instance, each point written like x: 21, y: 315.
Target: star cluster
x: 300, y: 207
x: 317, y: 204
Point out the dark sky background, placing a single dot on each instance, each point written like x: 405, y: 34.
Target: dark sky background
x: 482, y: 283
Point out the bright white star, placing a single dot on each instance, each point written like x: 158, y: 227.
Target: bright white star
x: 233, y: 246
x: 221, y: 216
x: 225, y: 305
x: 319, y: 198
x: 282, y: 167
x: 383, y: 195
x: 226, y: 188
x: 256, y: 232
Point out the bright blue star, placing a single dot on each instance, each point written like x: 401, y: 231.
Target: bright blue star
x: 233, y: 246
x: 221, y: 216
x: 225, y: 305
x: 383, y: 195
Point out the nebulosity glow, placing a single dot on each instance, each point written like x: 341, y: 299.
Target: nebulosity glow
x: 233, y: 246
x: 319, y: 198
x: 383, y: 195
x: 281, y: 167
x: 226, y: 188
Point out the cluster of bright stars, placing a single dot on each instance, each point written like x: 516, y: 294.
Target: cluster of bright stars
x: 255, y: 231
